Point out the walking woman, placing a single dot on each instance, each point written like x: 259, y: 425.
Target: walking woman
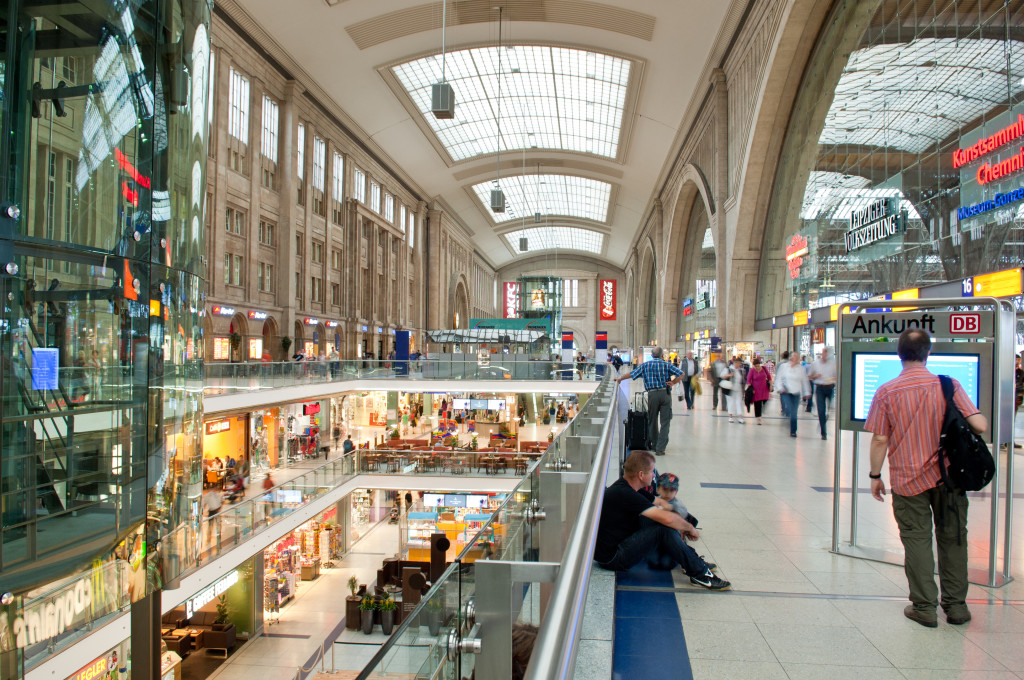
x: 761, y: 381
x: 734, y: 375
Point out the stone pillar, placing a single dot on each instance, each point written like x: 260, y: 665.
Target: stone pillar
x: 286, y: 227
x: 145, y: 629
x: 720, y: 186
x: 435, y: 304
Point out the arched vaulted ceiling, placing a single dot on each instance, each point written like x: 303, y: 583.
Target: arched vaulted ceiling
x: 592, y: 96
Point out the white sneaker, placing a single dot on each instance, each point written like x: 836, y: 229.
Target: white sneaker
x: 741, y: 421
x: 730, y: 419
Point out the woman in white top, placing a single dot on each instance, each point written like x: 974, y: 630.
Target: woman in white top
x: 734, y: 375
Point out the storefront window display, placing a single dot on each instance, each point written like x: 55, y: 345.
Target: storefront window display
x: 265, y: 442
x: 301, y: 428
x: 299, y: 557
x: 459, y: 516
x: 369, y: 506
x: 901, y: 166
x: 225, y: 448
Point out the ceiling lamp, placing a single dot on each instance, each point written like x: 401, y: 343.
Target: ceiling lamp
x: 442, y: 96
x: 497, y: 195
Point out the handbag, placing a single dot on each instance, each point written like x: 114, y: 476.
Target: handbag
x: 725, y: 384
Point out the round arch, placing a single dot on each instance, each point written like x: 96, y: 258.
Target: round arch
x: 458, y: 302
x: 238, y: 327
x: 647, y: 288
x: 271, y: 341
x: 299, y: 339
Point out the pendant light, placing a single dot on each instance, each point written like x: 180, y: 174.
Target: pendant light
x: 524, y: 244
x: 442, y: 96
x: 497, y: 195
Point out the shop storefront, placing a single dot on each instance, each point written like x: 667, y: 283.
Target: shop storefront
x: 459, y: 516
x: 225, y: 448
x: 299, y: 558
x: 266, y: 443
x: 368, y: 507
x: 115, y: 664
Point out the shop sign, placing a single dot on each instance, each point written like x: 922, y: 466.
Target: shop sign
x: 221, y: 348
x: 258, y: 316
x: 969, y: 211
x: 989, y: 144
x: 795, y: 252
x: 311, y: 321
x: 93, y: 671
x: 311, y: 409
x: 989, y: 172
x: 51, y: 618
x: 818, y: 336
x: 707, y: 293
x: 220, y: 310
x: 878, y: 221
x: 218, y: 426
x: 208, y: 595
x: 333, y: 324
x: 511, y: 298
x: 607, y: 299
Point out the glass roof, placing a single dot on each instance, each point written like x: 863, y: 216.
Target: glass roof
x: 551, y: 98
x: 563, y: 238
x: 562, y: 195
x: 911, y: 96
x: 834, y: 196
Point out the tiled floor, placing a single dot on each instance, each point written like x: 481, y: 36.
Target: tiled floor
x: 796, y: 610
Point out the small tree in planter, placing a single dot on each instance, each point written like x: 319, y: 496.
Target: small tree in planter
x: 395, y: 434
x: 286, y: 342
x: 366, y: 609
x: 352, y: 618
x: 223, y: 612
x: 236, y: 341
x: 387, y: 608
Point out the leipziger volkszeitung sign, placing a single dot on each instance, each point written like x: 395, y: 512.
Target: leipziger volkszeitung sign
x: 878, y: 221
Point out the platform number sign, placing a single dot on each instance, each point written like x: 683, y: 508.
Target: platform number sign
x: 967, y: 287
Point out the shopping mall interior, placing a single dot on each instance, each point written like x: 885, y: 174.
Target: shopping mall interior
x: 367, y: 433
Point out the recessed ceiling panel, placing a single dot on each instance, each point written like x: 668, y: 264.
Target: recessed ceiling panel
x: 549, y: 98
x: 562, y: 238
x: 562, y: 195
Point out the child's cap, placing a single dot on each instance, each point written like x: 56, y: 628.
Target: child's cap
x: 668, y: 481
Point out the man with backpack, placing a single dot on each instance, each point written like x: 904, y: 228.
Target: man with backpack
x: 908, y: 418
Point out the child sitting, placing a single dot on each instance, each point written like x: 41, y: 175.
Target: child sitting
x: 668, y: 487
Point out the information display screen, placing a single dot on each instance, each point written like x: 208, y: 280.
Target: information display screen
x: 476, y: 501
x: 452, y: 500
x: 460, y: 404
x: 478, y: 404
x: 871, y: 370
x: 433, y: 500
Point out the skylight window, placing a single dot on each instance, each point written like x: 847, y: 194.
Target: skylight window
x: 833, y: 196
x: 551, y: 98
x: 563, y: 238
x: 563, y: 195
x: 912, y: 96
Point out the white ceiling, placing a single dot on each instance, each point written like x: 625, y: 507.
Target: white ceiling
x: 313, y: 34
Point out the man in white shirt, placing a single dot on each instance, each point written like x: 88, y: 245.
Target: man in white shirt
x: 823, y: 375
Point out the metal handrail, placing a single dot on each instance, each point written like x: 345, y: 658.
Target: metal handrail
x: 554, y: 652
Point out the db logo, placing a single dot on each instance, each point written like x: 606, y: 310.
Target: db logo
x: 965, y: 324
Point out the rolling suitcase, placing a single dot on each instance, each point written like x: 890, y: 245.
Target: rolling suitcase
x: 637, y: 431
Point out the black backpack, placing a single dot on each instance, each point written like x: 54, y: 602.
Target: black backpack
x: 964, y: 460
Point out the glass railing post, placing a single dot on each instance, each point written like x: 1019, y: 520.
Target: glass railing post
x: 494, y: 614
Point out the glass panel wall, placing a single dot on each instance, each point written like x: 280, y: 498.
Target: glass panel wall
x: 102, y: 190
x: 902, y: 162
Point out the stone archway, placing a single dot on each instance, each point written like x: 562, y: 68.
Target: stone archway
x: 691, y: 215
x: 239, y: 328
x: 299, y: 340
x: 458, y: 302
x: 271, y: 339
x: 647, y: 298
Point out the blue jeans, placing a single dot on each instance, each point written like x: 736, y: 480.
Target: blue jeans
x: 791, y: 407
x: 688, y: 393
x: 661, y: 546
x: 823, y: 395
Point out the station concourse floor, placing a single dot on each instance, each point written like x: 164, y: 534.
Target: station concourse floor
x: 764, y: 503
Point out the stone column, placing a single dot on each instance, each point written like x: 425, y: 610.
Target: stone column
x: 286, y: 227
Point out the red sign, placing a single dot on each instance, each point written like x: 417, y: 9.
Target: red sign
x: 509, y: 305
x: 218, y: 426
x: 988, y: 172
x: 965, y: 324
x: 607, y: 299
x: 795, y: 252
x: 989, y: 144
x: 601, y: 336
x: 311, y: 409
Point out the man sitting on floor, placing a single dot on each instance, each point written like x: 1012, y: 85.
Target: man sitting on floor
x: 633, y: 530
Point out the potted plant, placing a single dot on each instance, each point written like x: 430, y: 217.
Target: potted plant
x: 286, y: 342
x: 352, y: 617
x: 547, y: 418
x: 236, y: 340
x: 473, y: 444
x: 551, y: 436
x: 432, y: 613
x: 223, y: 612
x: 395, y: 434
x: 387, y: 608
x: 366, y: 609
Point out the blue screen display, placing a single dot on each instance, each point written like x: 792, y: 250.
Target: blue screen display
x: 871, y: 370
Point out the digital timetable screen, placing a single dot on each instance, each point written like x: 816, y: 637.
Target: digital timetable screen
x: 871, y: 370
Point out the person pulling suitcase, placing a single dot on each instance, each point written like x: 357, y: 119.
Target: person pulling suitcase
x: 659, y: 376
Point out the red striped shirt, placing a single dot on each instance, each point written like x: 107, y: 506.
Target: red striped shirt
x: 909, y: 410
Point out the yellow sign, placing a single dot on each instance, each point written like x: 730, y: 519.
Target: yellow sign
x: 909, y: 294
x: 998, y: 284
x: 800, y: 318
x: 154, y: 308
x: 707, y: 334
x: 833, y: 311
x: 687, y: 337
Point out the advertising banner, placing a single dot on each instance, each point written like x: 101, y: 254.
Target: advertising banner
x: 510, y: 299
x: 607, y: 299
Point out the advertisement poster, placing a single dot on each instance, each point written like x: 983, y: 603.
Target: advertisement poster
x: 607, y: 299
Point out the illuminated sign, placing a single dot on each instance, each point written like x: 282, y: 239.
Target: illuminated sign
x: 220, y: 310
x: 687, y: 337
x: 969, y: 211
x: 154, y: 308
x: 311, y: 409
x: 537, y: 298
x: 511, y: 298
x: 801, y: 318
x: 221, y: 348
x: 998, y: 284
x: 208, y: 595
x: 707, y: 293
x: 878, y: 221
x: 988, y: 172
x: 218, y: 426
x: 909, y: 294
x: 795, y: 252
x: 833, y: 311
x: 989, y: 144
x: 310, y: 321
x: 258, y: 316
x: 93, y: 671
x: 333, y: 324
x: 607, y: 299
x: 255, y: 348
